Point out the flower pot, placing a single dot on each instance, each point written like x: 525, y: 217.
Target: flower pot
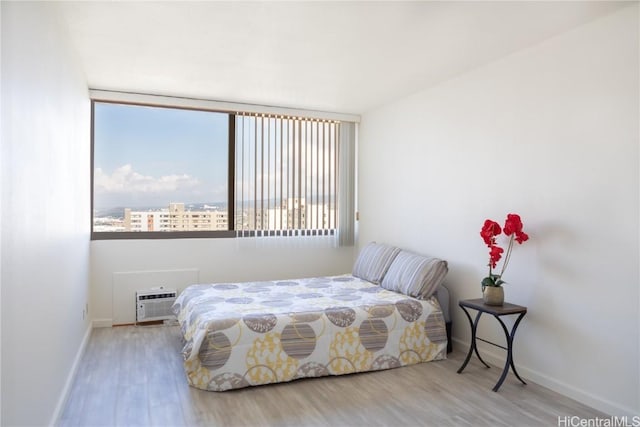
x: 493, y: 295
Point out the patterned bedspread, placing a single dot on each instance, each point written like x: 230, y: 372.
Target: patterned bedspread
x: 242, y: 334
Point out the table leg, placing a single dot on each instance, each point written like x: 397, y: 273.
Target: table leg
x: 509, y: 362
x: 472, y: 347
x: 470, y: 352
x: 474, y: 333
x: 513, y: 334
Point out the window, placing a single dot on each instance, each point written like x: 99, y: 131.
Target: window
x: 158, y: 169
x: 174, y: 172
x: 286, y: 175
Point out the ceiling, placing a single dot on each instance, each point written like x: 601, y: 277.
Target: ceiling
x: 346, y: 57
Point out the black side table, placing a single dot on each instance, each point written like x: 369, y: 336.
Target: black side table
x: 496, y: 311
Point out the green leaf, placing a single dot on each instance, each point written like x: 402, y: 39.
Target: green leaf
x: 488, y: 281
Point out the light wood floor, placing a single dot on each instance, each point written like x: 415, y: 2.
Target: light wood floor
x: 133, y: 376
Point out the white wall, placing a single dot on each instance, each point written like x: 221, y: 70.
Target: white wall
x: 1, y: 187
x: 551, y: 133
x: 45, y: 213
x: 214, y: 260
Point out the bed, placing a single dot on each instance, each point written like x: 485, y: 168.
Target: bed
x: 253, y: 333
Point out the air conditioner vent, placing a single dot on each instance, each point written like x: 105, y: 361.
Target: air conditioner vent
x: 154, y: 305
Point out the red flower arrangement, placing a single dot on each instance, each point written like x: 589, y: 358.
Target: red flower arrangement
x: 490, y: 230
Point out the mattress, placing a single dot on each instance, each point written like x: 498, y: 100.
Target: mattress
x: 442, y: 294
x: 245, y: 334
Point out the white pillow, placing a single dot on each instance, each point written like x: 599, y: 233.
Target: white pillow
x: 374, y: 261
x: 415, y: 275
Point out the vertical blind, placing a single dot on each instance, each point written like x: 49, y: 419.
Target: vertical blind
x: 288, y: 176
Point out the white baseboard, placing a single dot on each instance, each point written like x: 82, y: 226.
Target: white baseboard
x: 102, y: 323
x: 584, y: 397
x: 72, y: 374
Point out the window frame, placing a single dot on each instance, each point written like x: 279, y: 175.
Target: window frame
x: 145, y: 235
x: 201, y: 104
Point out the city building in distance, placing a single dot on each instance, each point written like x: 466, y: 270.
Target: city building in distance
x: 176, y: 218
x: 291, y: 214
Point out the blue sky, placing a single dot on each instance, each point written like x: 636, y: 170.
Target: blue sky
x: 148, y: 156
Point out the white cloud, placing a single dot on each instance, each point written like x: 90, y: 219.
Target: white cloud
x: 125, y: 180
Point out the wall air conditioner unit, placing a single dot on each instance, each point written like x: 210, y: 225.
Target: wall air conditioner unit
x: 154, y: 304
